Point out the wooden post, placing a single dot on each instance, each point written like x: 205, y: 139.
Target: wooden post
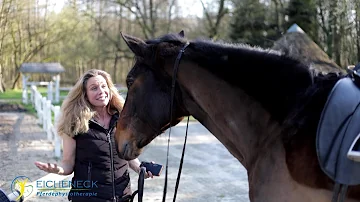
x: 24, y: 89
x: 57, y: 88
x: 57, y: 140
x: 33, y: 96
x: 48, y: 120
x: 39, y: 106
x: 43, y: 112
x: 50, y: 91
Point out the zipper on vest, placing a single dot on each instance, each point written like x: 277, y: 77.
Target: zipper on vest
x: 89, y: 171
x: 112, y: 165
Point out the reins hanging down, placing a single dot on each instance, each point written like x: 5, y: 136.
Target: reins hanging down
x: 176, y: 67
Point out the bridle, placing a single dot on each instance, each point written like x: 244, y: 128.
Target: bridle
x: 140, y: 190
x: 176, y: 67
x: 142, y: 170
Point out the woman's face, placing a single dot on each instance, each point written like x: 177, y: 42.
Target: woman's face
x: 97, y: 91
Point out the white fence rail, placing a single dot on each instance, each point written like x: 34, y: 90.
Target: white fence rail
x: 53, y: 88
x: 45, y: 111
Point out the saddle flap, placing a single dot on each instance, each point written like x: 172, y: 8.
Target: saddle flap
x: 338, y: 127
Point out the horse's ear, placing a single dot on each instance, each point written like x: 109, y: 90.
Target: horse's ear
x: 136, y: 45
x: 182, y: 34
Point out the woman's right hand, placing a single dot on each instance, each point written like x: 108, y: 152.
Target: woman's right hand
x: 48, y: 167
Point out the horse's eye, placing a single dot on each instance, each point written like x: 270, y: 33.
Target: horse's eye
x: 129, y: 82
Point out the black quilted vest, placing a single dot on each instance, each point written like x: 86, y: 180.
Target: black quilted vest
x: 93, y: 165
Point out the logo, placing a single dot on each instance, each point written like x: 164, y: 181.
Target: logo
x: 22, y: 185
x: 25, y: 187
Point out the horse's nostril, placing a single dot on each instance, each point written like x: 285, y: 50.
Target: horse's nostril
x: 125, y: 146
x: 142, y: 143
x: 139, y: 144
x: 122, y: 150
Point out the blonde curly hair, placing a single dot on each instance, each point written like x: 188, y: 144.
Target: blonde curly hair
x: 76, y: 110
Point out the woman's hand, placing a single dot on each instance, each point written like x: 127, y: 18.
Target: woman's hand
x: 68, y: 159
x: 148, y: 174
x: 49, y: 167
x: 135, y: 165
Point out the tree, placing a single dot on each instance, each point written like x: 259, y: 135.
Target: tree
x: 150, y: 14
x: 304, y: 14
x: 4, y: 19
x: 357, y: 28
x: 213, y: 19
x: 249, y: 23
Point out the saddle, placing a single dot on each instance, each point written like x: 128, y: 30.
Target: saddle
x: 337, y: 139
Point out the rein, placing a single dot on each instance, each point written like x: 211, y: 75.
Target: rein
x: 176, y: 67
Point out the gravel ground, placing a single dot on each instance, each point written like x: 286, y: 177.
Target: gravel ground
x: 210, y: 172
x: 22, y: 142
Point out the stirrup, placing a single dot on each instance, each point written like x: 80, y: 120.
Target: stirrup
x: 354, y: 154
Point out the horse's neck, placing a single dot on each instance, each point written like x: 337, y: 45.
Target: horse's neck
x: 237, y: 120
x: 273, y: 80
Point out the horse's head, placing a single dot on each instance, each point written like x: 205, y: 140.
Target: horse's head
x: 141, y: 121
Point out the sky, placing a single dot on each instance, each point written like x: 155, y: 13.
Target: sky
x: 188, y: 7
x: 191, y: 7
x: 55, y: 5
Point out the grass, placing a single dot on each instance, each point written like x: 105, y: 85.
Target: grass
x: 11, y: 94
x: 15, y: 97
x: 29, y: 108
x: 16, y: 94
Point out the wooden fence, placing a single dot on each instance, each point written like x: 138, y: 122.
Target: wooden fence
x: 48, y: 115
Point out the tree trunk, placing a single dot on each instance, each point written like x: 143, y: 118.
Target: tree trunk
x: 357, y: 29
x: 16, y: 80
x: 115, y: 68
x: 2, y: 86
x: 214, y: 27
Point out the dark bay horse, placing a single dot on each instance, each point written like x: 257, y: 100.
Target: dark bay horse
x: 263, y: 106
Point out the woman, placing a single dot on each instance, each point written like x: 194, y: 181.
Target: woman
x: 87, y: 124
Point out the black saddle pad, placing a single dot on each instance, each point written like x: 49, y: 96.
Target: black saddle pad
x: 338, y: 127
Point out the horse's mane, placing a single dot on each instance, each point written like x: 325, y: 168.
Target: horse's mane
x: 271, y: 77
x: 297, y: 91
x: 167, y: 38
x: 213, y: 55
x: 305, y: 115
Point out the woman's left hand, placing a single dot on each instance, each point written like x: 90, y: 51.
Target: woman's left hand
x: 148, y: 174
